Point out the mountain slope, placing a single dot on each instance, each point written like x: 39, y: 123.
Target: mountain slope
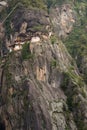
x: 41, y: 87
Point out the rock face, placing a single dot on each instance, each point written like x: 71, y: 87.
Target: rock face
x: 63, y: 18
x: 40, y: 85
x: 33, y: 96
x: 34, y: 18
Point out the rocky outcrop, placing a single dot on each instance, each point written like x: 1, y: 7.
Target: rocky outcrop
x: 40, y: 85
x: 3, y: 4
x: 63, y: 18
x: 36, y: 19
x: 34, y: 95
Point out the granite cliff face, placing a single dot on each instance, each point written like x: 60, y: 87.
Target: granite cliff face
x: 40, y: 84
x: 63, y: 18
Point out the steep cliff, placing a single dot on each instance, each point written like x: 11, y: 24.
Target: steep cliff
x: 41, y: 87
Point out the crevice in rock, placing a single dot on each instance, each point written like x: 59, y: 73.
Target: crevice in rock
x: 2, y: 125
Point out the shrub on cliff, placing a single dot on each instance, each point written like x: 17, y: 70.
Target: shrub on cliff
x: 25, y: 51
x: 29, y: 3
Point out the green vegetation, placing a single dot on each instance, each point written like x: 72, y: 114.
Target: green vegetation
x: 76, y: 79
x: 25, y: 51
x: 72, y: 85
x: 54, y: 63
x: 34, y: 3
x: 29, y: 3
x: 7, y: 73
x: 67, y: 128
x: 65, y: 86
x: 51, y: 3
x: 13, y: 5
x: 8, y: 29
x: 53, y: 39
x: 65, y: 81
x: 26, y: 54
x: 80, y: 124
x: 76, y: 42
x: 38, y: 28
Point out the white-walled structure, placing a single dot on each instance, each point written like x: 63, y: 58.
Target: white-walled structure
x: 17, y: 47
x: 3, y: 3
x: 35, y: 39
